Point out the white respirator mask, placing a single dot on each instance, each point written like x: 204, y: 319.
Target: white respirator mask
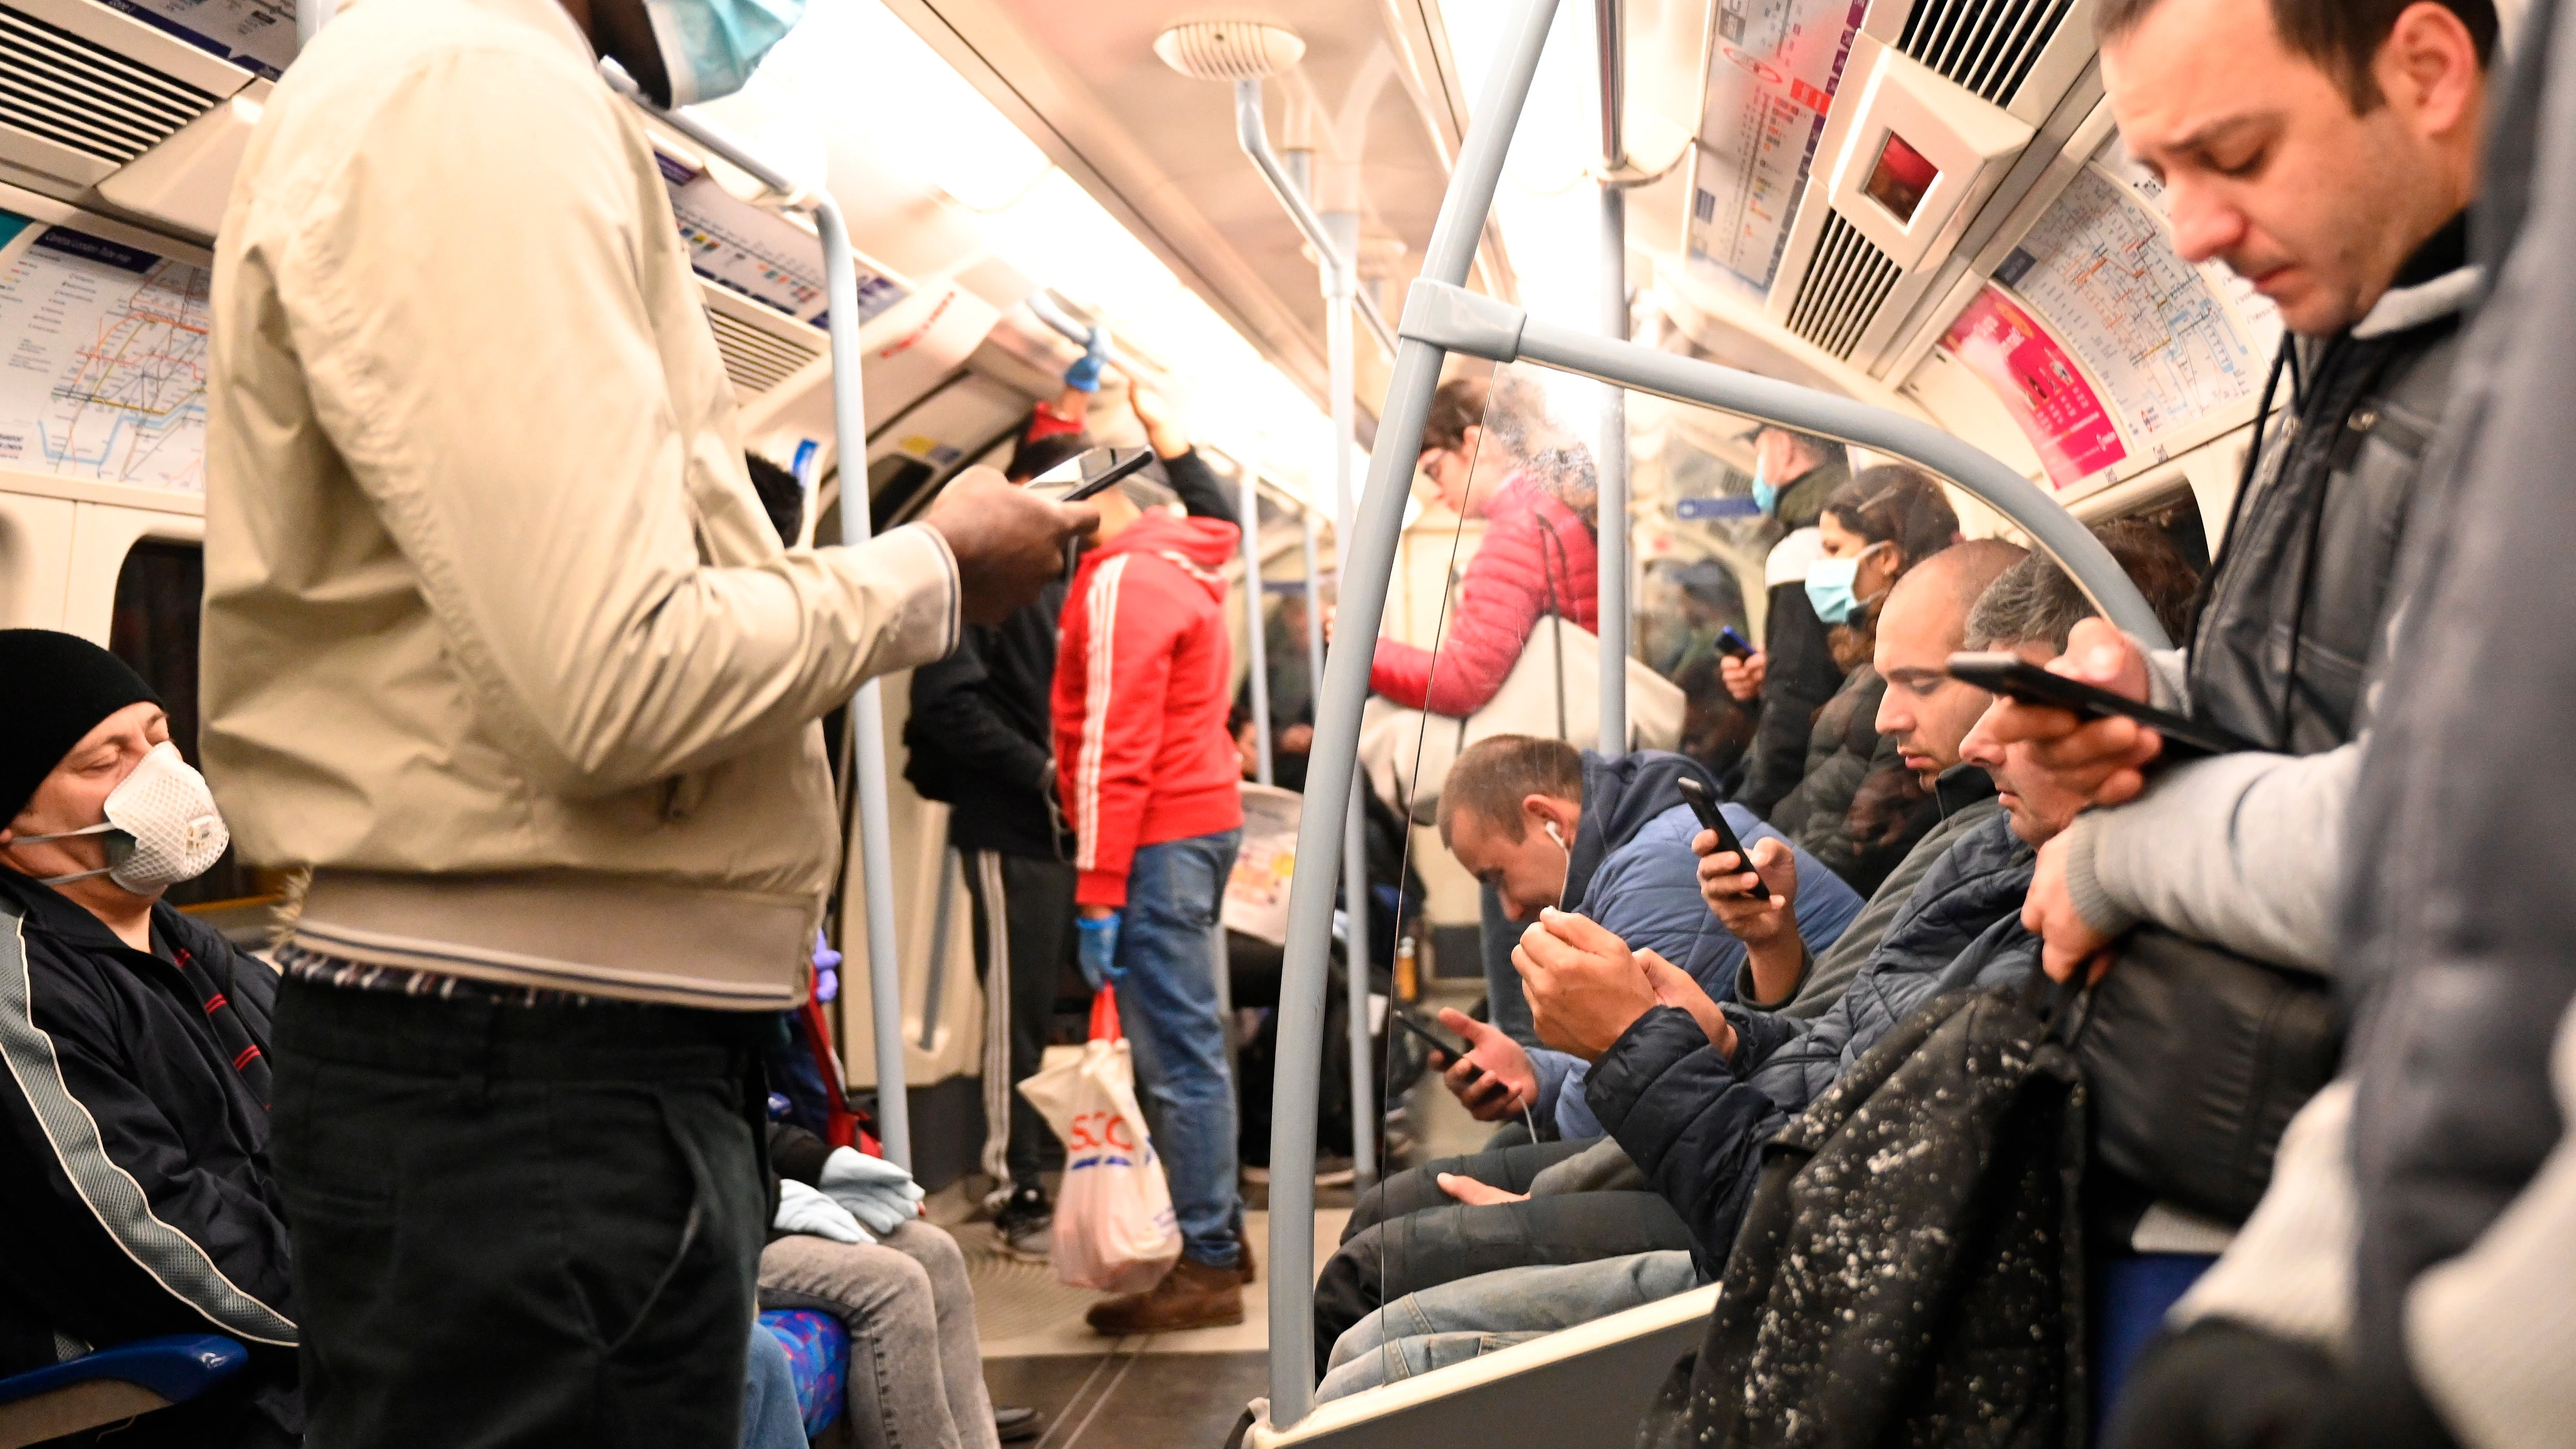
x: 162, y: 827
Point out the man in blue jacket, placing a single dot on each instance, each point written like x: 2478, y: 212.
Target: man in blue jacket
x: 1547, y: 825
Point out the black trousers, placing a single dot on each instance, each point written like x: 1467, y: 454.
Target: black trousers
x: 518, y: 1225
x: 1023, y: 910
x: 1405, y: 1234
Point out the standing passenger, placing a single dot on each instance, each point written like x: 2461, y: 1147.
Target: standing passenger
x: 1794, y: 672
x: 1148, y: 777
x: 499, y: 643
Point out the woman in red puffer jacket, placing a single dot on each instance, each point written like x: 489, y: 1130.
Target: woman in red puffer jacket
x: 1539, y: 555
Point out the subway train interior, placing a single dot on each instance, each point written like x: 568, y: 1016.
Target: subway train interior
x: 1695, y: 310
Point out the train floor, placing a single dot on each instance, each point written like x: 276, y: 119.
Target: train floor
x: 1161, y: 1391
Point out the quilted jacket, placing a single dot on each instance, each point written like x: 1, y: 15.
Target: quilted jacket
x: 1539, y: 557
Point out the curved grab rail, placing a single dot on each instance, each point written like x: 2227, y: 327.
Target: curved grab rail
x: 1341, y: 273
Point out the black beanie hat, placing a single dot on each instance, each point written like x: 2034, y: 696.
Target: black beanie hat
x: 54, y: 688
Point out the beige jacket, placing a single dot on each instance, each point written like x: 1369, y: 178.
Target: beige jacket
x: 497, y: 637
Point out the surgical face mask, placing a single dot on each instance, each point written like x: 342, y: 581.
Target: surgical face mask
x: 1830, y: 582
x: 1765, y: 496
x: 710, y: 47
x: 162, y: 827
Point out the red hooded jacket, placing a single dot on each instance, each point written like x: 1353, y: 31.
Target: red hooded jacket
x: 1537, y: 549
x: 1142, y: 688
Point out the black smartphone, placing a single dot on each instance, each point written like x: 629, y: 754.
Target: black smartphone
x: 1439, y: 1041
x: 2021, y: 680
x: 1090, y: 472
x: 1704, y: 805
x: 1730, y: 642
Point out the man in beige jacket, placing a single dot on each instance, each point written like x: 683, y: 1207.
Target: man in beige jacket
x: 499, y: 642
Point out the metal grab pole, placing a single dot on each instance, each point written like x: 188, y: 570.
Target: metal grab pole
x: 1044, y: 308
x: 1256, y: 628
x: 1610, y: 459
x: 1252, y: 133
x: 867, y: 710
x: 1368, y: 562
x: 1340, y: 283
x: 1314, y: 616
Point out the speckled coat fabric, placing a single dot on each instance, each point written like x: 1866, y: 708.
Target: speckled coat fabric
x: 1911, y: 1269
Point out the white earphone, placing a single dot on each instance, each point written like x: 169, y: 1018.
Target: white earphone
x: 1553, y: 834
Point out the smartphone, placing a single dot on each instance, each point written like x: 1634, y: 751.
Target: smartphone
x: 1090, y: 472
x: 1704, y: 805
x: 2021, y: 680
x: 1437, y: 1039
x: 1730, y: 642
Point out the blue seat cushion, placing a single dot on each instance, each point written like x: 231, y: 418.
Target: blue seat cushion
x: 177, y: 1368
x: 818, y: 1349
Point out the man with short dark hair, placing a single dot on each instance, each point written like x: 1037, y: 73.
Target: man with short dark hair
x: 2327, y: 152
x: 134, y: 1074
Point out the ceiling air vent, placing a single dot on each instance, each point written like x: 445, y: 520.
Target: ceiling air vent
x: 758, y: 358
x: 1844, y: 288
x: 75, y: 93
x: 1986, y: 46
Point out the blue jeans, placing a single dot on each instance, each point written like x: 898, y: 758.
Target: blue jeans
x: 1167, y: 1006
x: 1459, y: 1320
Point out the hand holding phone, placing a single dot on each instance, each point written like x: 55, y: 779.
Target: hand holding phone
x: 1704, y: 805
x: 1090, y: 472
x: 1733, y: 644
x: 2024, y: 682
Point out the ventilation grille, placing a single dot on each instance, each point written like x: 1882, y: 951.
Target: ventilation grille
x: 1988, y: 46
x: 754, y: 357
x: 80, y: 94
x: 1845, y: 286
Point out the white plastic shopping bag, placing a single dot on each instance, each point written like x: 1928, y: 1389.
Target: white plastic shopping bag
x: 1114, y: 1226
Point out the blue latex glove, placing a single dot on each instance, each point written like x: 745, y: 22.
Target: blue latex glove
x: 803, y: 1209
x: 827, y: 969
x: 878, y: 1193
x: 1097, y: 943
x: 1084, y: 375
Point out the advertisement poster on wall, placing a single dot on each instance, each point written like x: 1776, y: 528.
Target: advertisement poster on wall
x: 2039, y: 384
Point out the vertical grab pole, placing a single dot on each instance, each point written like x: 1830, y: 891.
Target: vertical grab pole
x: 1314, y: 615
x: 867, y: 709
x: 1611, y: 456
x: 1341, y: 286
x: 1368, y: 562
x: 1256, y: 628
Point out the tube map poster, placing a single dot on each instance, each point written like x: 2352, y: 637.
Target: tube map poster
x: 104, y: 373
x: 1777, y: 65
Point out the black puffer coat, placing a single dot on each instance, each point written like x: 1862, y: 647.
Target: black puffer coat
x: 1694, y: 1122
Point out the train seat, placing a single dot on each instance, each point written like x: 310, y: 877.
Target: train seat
x: 818, y: 1349
x: 113, y: 1383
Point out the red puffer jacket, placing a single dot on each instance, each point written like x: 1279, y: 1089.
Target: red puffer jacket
x: 1538, y: 557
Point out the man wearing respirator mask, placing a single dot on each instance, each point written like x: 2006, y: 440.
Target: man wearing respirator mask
x: 500, y: 643
x: 135, y: 1101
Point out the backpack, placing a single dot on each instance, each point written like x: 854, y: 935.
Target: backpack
x: 1910, y: 1270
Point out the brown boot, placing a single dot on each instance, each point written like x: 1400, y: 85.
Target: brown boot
x: 1192, y: 1295
x: 1244, y: 1264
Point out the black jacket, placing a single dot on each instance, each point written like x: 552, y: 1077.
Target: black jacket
x: 2299, y: 596
x: 980, y: 733
x: 134, y: 1177
x: 1802, y: 674
x: 1694, y: 1122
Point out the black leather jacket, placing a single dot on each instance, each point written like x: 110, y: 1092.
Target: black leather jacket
x: 2299, y: 596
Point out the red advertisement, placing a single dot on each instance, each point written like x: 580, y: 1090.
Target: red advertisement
x: 2038, y: 384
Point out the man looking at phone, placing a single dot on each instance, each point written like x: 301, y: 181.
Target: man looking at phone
x: 2327, y: 152
x: 500, y: 643
x: 1691, y: 1088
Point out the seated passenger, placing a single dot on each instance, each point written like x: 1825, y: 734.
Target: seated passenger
x: 1542, y: 824
x: 848, y: 1241
x: 1545, y: 825
x: 134, y: 1160
x: 1857, y: 807
x: 1692, y: 1093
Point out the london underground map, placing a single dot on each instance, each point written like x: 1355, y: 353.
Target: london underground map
x: 105, y: 375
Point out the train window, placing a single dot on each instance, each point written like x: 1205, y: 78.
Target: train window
x: 159, y: 594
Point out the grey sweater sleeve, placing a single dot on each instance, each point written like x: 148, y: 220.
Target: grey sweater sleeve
x: 2490, y: 1333
x: 2241, y: 851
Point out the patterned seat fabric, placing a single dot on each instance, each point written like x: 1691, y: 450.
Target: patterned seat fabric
x: 818, y: 1348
